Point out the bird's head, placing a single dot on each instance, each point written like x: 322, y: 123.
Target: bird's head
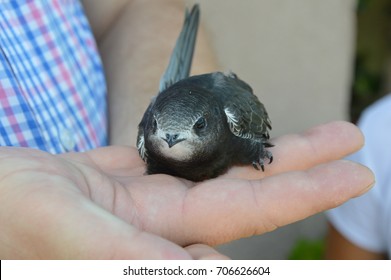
x: 185, y: 123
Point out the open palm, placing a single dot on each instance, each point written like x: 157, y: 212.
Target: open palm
x: 99, y: 204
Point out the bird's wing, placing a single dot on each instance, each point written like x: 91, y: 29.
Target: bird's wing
x: 141, y: 136
x: 246, y: 116
x: 182, y: 55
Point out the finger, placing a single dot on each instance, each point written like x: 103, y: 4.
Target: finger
x: 204, y: 252
x: 62, y: 224
x: 103, y: 236
x: 317, y: 145
x: 116, y: 157
x: 232, y: 209
x: 112, y: 159
x: 127, y: 242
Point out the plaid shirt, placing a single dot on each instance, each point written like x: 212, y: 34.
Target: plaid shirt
x: 52, y: 87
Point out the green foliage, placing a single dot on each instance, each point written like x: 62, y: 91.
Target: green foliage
x: 370, y: 81
x: 367, y: 88
x: 362, y: 5
x: 305, y: 249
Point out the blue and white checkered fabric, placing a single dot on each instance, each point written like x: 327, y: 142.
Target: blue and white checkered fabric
x: 52, y: 86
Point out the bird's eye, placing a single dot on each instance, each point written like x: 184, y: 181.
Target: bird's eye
x: 200, y: 123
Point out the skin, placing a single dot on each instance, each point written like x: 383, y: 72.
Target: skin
x: 340, y: 248
x: 99, y: 205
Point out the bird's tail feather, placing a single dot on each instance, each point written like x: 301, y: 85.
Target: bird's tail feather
x: 182, y: 55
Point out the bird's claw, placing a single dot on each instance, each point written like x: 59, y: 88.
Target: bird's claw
x: 260, y: 163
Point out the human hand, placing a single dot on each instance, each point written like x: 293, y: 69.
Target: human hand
x: 99, y: 204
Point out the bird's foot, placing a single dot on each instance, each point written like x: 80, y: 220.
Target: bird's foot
x: 260, y: 163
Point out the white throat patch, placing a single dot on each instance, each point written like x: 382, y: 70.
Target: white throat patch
x: 181, y: 151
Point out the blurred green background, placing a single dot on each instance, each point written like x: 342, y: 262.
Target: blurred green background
x: 372, y: 62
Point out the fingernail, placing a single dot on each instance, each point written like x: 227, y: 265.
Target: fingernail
x: 365, y: 190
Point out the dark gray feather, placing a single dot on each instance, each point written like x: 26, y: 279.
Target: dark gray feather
x: 182, y: 55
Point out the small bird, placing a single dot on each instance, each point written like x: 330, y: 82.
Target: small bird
x: 199, y: 126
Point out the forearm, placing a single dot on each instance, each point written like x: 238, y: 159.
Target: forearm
x: 135, y: 49
x: 338, y: 247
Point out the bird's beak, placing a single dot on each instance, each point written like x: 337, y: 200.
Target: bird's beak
x: 172, y: 139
